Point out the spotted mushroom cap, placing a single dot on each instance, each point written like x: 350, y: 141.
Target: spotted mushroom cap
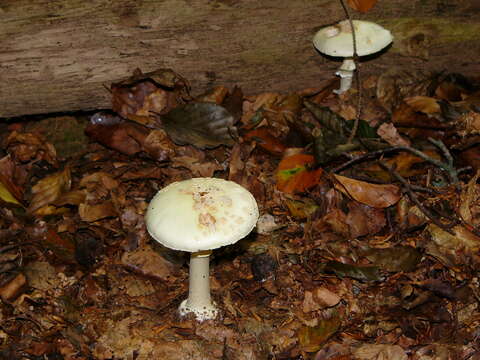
x: 337, y: 40
x: 201, y: 214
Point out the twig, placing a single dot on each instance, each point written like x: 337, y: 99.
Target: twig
x: 448, y: 167
x: 414, y: 198
x: 357, y: 75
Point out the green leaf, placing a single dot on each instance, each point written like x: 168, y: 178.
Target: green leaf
x: 205, y: 125
x: 362, y: 273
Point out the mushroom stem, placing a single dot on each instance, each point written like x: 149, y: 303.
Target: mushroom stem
x: 199, y: 301
x: 346, y: 75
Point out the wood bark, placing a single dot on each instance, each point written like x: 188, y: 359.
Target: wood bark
x: 58, y: 56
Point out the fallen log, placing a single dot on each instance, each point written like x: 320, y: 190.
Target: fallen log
x: 61, y: 55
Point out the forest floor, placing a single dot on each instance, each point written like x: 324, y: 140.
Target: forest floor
x: 367, y: 245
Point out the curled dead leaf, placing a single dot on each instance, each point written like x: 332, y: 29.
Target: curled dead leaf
x: 142, y: 96
x: 25, y: 147
x: 47, y: 190
x: 425, y: 104
x: 375, y: 195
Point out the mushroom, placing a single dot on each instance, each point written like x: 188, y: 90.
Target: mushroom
x: 337, y: 40
x: 199, y: 215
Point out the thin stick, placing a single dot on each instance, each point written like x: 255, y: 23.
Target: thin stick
x: 448, y: 166
x: 357, y: 76
x: 416, y: 201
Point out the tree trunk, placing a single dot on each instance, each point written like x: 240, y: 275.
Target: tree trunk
x: 61, y: 55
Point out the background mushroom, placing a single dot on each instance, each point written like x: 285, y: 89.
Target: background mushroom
x: 199, y: 215
x: 337, y: 40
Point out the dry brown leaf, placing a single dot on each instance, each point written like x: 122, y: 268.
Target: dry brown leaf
x: 380, y: 352
x: 25, y: 147
x: 149, y: 263
x: 463, y: 240
x: 394, y: 85
x: 320, y: 298
x: 405, y: 163
x: 198, y: 168
x: 91, y: 213
x: 425, y: 104
x: 469, y: 201
x: 11, y: 290
x: 49, y: 189
x: 125, y: 137
x: 364, y: 220
x: 159, y: 146
x: 11, y: 179
x: 389, y: 133
x: 42, y: 276
x: 99, y: 178
x: 216, y: 95
x: 468, y: 124
x: 379, y: 196
x: 141, y: 97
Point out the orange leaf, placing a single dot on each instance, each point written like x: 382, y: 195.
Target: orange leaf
x: 378, y: 196
x: 266, y: 140
x: 425, y: 104
x: 361, y: 5
x: 293, y: 174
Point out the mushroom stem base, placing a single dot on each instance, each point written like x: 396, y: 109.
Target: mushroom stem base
x: 199, y: 301
x: 346, y: 75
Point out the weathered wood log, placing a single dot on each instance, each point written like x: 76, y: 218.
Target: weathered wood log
x: 58, y: 55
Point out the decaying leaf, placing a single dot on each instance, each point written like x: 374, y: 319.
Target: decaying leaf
x: 425, y: 104
x: 264, y: 138
x: 11, y: 179
x: 147, y: 262
x: 405, y: 163
x: 364, y: 220
x: 61, y: 246
x: 312, y: 338
x: 362, y: 273
x: 455, y: 249
x: 142, y: 97
x: 25, y: 147
x: 158, y: 145
x: 216, y: 95
x: 394, y: 85
x: 380, y: 352
x: 7, y: 196
x: 11, y: 290
x: 293, y: 174
x: 468, y: 124
x: 49, y: 189
x: 95, y: 212
x: 389, y: 133
x: 301, y: 209
x: 205, y: 125
x: 379, y: 196
x: 398, y: 258
x: 319, y: 298
x: 125, y: 137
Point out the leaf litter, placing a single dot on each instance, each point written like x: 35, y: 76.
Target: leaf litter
x: 364, y: 250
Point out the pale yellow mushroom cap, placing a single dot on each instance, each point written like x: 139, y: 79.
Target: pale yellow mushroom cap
x: 201, y: 214
x: 337, y: 40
